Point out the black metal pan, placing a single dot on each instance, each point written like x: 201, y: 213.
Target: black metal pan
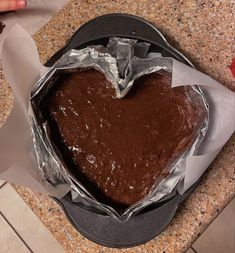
x: 151, y: 221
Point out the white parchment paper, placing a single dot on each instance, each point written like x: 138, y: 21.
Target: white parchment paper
x: 22, y: 69
x: 35, y: 15
x: 221, y: 120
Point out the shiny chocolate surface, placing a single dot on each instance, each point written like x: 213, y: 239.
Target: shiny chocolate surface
x: 118, y: 148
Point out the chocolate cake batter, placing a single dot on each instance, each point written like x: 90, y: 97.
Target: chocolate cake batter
x: 118, y: 147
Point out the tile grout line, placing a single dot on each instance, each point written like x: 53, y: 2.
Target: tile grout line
x: 22, y: 240
x: 3, y: 184
x: 193, y: 249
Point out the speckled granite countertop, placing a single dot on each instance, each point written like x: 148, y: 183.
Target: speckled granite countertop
x: 204, y: 31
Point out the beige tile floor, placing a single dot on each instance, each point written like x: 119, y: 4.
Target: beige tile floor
x: 20, y: 229
x: 220, y: 235
x: 22, y: 232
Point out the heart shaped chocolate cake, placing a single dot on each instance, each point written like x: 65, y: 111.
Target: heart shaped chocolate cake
x: 118, y: 148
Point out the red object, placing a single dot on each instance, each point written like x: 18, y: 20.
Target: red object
x: 232, y: 67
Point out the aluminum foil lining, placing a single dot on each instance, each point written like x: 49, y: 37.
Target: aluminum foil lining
x: 122, y: 61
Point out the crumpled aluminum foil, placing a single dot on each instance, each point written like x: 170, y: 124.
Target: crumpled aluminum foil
x: 122, y: 62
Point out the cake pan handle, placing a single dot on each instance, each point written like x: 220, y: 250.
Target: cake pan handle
x: 101, y: 28
x: 110, y: 232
